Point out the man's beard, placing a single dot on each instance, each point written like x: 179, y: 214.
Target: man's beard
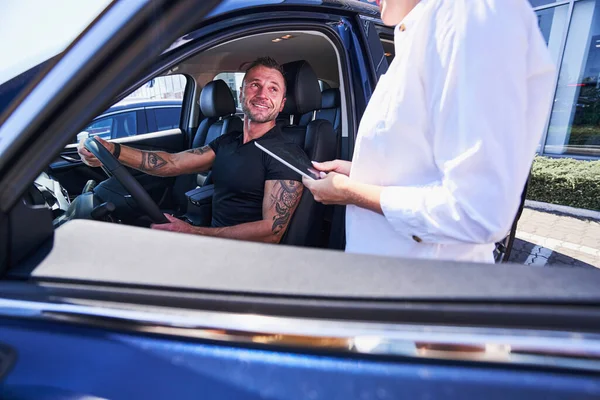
x: 258, y: 118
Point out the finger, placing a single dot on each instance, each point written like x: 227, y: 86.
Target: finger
x: 170, y: 217
x: 325, y: 166
x: 83, y: 151
x: 308, y: 183
x: 161, y: 227
x: 91, y: 161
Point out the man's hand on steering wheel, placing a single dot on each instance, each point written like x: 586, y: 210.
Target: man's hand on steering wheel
x: 100, y: 154
x: 87, y: 157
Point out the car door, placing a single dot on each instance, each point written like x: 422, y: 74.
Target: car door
x: 95, y: 317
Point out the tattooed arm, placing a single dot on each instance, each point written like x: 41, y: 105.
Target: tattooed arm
x: 280, y: 202
x: 159, y: 163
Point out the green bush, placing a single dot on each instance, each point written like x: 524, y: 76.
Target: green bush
x: 566, y: 181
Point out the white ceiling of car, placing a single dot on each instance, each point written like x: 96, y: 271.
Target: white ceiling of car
x: 235, y: 55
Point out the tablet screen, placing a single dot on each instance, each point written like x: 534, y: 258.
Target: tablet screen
x: 296, y: 160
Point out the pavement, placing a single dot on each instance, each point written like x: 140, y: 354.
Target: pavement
x: 552, y: 239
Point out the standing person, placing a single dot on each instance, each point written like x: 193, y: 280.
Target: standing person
x: 445, y: 145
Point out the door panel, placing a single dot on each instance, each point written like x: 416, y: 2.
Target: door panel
x: 60, y: 361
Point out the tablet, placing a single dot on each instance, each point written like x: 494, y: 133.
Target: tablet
x: 297, y: 161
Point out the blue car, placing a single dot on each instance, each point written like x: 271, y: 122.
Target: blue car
x: 134, y: 118
x: 95, y: 305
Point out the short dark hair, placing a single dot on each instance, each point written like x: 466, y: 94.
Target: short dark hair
x: 267, y: 62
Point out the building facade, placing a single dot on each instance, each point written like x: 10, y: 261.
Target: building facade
x: 571, y: 29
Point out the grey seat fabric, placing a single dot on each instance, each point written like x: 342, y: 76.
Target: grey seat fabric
x: 218, y: 106
x: 319, y: 142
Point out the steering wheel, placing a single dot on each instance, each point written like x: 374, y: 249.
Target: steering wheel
x: 135, y: 189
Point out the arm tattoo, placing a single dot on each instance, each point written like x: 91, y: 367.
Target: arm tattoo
x: 199, y: 150
x: 285, y: 198
x: 151, y: 161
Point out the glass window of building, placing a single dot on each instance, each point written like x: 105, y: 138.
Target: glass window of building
x: 539, y: 3
x: 575, y: 120
x: 553, y: 25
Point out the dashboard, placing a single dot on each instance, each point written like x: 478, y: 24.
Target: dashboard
x: 47, y: 191
x: 106, y: 201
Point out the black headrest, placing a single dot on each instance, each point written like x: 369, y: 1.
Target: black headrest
x: 216, y: 99
x: 331, y: 98
x: 303, y: 91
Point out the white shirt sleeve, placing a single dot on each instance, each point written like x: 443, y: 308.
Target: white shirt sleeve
x: 481, y: 89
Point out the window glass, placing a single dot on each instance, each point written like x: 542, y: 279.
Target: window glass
x: 553, y: 23
x: 167, y: 118
x: 324, y: 85
x: 125, y: 124
x: 575, y: 121
x: 101, y: 128
x: 234, y: 81
x: 113, y: 127
x: 163, y: 93
x: 160, y: 88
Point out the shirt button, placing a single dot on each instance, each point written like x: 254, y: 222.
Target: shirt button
x: 402, y: 27
x: 417, y: 239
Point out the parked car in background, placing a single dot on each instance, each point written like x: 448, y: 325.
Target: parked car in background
x: 134, y: 118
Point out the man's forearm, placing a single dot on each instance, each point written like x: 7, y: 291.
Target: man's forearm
x: 159, y: 163
x: 258, y: 231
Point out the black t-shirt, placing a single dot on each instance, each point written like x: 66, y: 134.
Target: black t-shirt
x: 239, y: 173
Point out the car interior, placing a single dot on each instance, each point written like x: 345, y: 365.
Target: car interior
x: 313, y: 118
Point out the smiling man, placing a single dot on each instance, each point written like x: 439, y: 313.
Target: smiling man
x: 255, y: 196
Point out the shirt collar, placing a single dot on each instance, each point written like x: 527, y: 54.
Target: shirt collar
x: 271, y: 133
x: 407, y: 23
x: 274, y: 131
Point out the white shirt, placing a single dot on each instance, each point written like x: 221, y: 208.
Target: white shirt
x: 451, y: 130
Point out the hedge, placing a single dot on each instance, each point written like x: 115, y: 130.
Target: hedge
x: 566, y: 181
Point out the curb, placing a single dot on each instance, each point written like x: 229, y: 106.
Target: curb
x: 574, y: 212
